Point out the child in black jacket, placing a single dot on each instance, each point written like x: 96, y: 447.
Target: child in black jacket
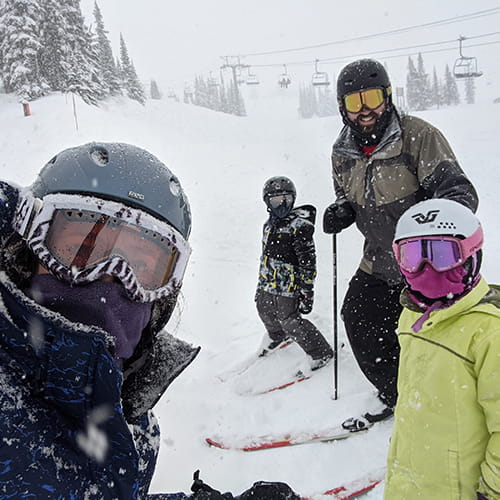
x: 287, y: 272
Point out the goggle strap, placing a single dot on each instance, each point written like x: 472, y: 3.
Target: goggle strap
x: 27, y: 209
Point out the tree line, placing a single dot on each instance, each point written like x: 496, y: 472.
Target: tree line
x: 46, y: 46
x: 424, y: 92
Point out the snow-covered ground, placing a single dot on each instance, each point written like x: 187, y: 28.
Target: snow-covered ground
x: 223, y: 162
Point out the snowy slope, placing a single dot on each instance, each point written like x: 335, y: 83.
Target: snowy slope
x: 222, y: 162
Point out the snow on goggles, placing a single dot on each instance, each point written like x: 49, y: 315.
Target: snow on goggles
x: 371, y: 98
x: 441, y: 252
x: 275, y: 200
x: 80, y: 239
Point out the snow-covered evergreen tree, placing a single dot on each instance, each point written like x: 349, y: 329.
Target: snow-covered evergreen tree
x: 83, y: 74
x: 20, y: 44
x: 451, y: 96
x: 307, y: 101
x: 436, y: 93
x: 55, y: 51
x: 412, y: 90
x: 424, y: 87
x: 154, y: 90
x: 132, y: 86
x: 470, y: 91
x: 109, y: 71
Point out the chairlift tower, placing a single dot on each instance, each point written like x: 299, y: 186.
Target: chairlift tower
x: 233, y: 63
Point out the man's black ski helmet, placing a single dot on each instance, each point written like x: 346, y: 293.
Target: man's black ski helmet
x: 278, y: 185
x: 118, y: 172
x: 360, y: 75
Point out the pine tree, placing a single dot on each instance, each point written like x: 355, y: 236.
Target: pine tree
x: 132, y: 85
x: 424, y: 88
x: 470, y: 91
x: 55, y: 51
x: 82, y: 77
x: 436, y: 90
x: 154, y: 90
x: 451, y: 97
x: 412, y: 89
x: 109, y: 71
x: 20, y: 44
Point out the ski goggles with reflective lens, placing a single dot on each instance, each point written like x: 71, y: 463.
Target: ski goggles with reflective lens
x: 441, y: 252
x: 80, y: 239
x: 275, y: 200
x: 371, y: 98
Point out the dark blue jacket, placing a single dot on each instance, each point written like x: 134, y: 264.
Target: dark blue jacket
x: 64, y: 434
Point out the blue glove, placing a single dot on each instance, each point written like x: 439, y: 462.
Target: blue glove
x: 338, y: 216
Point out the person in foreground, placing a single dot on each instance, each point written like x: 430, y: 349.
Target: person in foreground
x: 285, y: 289
x: 383, y: 162
x: 446, y: 436
x: 92, y: 257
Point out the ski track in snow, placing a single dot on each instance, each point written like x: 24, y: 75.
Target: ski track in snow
x: 222, y: 162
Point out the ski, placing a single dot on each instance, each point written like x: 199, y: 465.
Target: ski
x: 268, y: 442
x: 352, y: 489
x: 246, y: 365
x: 295, y: 379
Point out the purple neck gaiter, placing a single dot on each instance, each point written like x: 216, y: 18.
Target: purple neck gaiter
x: 100, y: 303
x: 434, y: 284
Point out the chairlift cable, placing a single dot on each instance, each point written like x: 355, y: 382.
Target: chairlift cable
x: 452, y: 20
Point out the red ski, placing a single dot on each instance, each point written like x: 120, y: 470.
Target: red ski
x: 267, y: 442
x: 353, y: 489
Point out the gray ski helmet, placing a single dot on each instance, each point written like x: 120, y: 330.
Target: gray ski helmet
x: 360, y: 75
x: 278, y: 185
x: 118, y: 172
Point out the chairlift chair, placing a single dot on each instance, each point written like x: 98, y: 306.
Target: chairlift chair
x: 252, y: 80
x: 284, y: 79
x: 465, y: 66
x: 320, y: 78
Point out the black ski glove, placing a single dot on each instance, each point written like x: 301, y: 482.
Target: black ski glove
x: 306, y: 300
x: 480, y: 496
x: 338, y: 216
x: 263, y: 490
x: 201, y: 490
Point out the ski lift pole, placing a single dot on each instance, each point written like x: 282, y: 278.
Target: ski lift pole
x: 335, y: 323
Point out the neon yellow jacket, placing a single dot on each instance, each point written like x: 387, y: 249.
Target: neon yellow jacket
x: 446, y: 438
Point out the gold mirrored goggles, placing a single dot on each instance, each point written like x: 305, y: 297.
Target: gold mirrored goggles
x: 371, y: 98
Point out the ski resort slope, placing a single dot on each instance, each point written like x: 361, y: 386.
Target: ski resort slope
x: 223, y: 162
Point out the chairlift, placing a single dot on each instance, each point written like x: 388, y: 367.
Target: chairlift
x: 320, y: 78
x: 252, y: 79
x: 465, y: 66
x: 284, y: 79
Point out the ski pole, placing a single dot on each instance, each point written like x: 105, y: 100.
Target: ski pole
x: 335, y: 325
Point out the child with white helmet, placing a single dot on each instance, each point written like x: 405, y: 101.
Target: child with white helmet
x: 446, y: 436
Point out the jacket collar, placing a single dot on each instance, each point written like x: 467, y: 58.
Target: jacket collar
x: 390, y: 145
x: 441, y: 312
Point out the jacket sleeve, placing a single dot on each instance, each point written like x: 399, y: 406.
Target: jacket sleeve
x: 305, y: 251
x: 488, y: 389
x: 439, y: 172
x: 146, y: 434
x: 8, y: 203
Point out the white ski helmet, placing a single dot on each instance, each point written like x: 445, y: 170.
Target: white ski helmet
x: 440, y: 217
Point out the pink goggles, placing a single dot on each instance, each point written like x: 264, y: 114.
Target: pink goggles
x: 441, y: 252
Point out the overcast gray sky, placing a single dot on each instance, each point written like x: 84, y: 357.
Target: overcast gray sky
x: 173, y: 40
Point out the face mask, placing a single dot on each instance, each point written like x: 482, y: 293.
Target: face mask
x: 433, y: 284
x: 100, y: 303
